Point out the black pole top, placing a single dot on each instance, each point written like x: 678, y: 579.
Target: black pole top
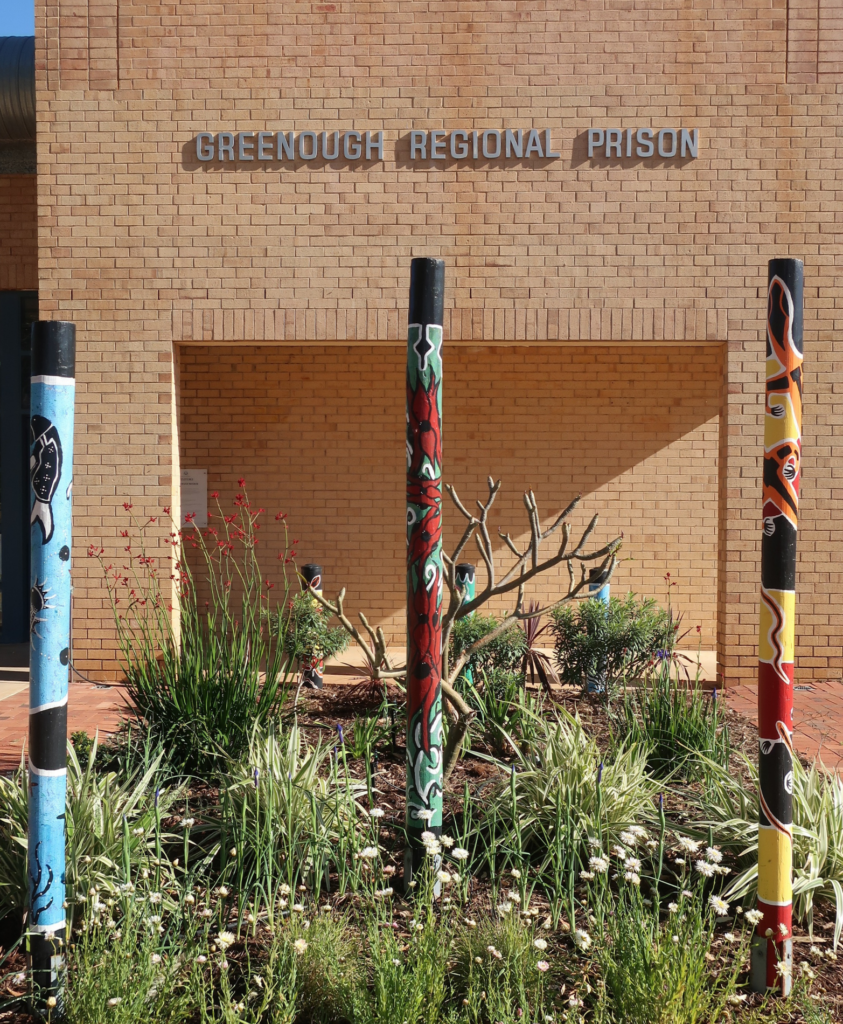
x: 427, y: 291
x: 792, y: 273
x: 53, y: 348
x: 311, y: 572
x: 466, y: 570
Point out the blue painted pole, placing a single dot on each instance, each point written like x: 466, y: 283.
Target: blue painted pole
x: 52, y: 395
x: 598, y: 590
x: 465, y: 576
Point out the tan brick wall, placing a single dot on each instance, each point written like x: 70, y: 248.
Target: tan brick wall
x: 145, y: 248
x: 318, y: 432
x: 18, y: 233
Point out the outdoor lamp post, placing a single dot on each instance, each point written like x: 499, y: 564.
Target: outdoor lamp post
x: 772, y: 955
x: 52, y: 394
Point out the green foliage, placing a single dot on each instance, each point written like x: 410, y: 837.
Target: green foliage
x: 82, y: 744
x: 201, y: 693
x: 304, y: 630
x: 682, y: 729
x: 498, y: 700
x: 287, y: 817
x: 655, y: 967
x: 555, y: 793
x: 505, y: 653
x: 496, y: 971
x: 731, y: 810
x: 624, y: 635
x: 111, y: 822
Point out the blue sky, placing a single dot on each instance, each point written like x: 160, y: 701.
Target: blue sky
x: 17, y: 17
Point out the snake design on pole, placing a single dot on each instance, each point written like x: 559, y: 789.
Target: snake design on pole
x: 424, y: 555
x: 781, y: 477
x: 51, y: 464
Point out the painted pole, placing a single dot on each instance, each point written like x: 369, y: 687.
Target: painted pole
x: 466, y: 579
x: 598, y: 590
x: 782, y: 467
x: 51, y: 473
x: 312, y: 666
x: 424, y: 556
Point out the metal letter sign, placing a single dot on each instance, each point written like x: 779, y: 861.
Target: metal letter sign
x: 51, y: 475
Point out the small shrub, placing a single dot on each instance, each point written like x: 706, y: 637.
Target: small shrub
x: 655, y: 967
x: 304, y: 630
x: 505, y: 653
x: 112, y: 824
x: 496, y: 971
x: 496, y: 698
x: 682, y: 729
x: 623, y: 635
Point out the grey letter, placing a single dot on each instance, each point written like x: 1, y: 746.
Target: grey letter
x: 204, y: 146
x: 459, y: 151
x: 376, y: 145
x: 548, y: 146
x: 595, y: 139
x: 534, y: 144
x: 491, y: 133
x: 225, y: 144
x: 287, y: 144
x: 645, y: 142
x: 418, y: 145
x: 688, y: 143
x: 324, y: 140
x: 662, y: 135
x: 244, y: 146
x: 264, y: 146
x: 513, y: 143
x: 437, y: 143
x: 355, y: 151
x: 314, y: 152
x: 613, y: 141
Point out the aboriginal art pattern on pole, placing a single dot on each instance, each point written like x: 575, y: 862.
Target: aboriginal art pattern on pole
x: 781, y: 475
x: 312, y: 665
x: 424, y: 554
x: 50, y: 470
x: 466, y: 576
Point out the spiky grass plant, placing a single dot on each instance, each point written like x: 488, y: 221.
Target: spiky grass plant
x: 113, y: 828
x: 499, y: 970
x: 201, y: 673
x: 288, y: 816
x: 556, y: 797
x: 731, y: 810
x: 657, y: 968
x: 682, y: 727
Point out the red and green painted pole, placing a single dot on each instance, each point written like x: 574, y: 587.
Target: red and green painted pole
x: 424, y: 556
x: 52, y: 392
x: 772, y: 955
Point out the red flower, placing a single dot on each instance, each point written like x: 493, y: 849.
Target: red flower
x: 166, y: 510
x: 268, y: 585
x: 215, y: 494
x: 126, y: 505
x: 241, y: 482
x: 699, y: 629
x: 189, y: 517
x: 152, y: 519
x: 280, y: 515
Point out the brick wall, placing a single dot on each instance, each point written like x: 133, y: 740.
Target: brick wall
x: 18, y: 233
x: 318, y: 432
x: 145, y: 247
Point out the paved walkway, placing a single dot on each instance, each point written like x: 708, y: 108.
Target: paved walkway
x: 817, y: 717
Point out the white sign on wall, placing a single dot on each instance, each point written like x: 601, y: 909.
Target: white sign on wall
x: 194, y: 496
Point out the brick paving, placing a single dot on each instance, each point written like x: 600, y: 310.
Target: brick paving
x: 90, y: 707
x: 817, y: 717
